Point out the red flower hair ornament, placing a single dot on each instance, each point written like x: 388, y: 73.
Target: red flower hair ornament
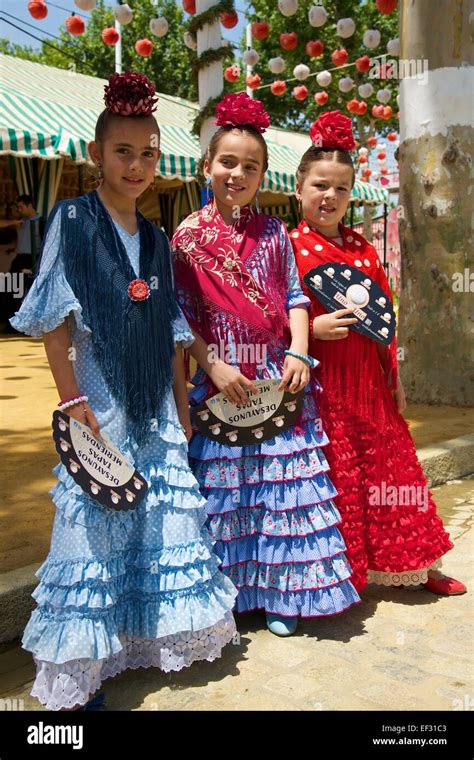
x: 333, y: 131
x: 130, y: 94
x: 239, y: 110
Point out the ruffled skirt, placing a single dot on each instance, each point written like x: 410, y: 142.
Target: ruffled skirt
x: 128, y: 589
x: 271, y: 512
x: 389, y: 520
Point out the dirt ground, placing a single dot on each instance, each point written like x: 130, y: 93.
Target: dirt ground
x: 28, y: 396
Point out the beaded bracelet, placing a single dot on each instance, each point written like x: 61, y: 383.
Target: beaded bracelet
x: 63, y: 405
x: 304, y: 358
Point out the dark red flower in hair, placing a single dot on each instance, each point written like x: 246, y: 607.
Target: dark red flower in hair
x: 333, y: 130
x: 237, y: 110
x: 130, y: 94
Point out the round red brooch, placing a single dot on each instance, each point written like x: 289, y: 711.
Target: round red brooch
x: 138, y: 290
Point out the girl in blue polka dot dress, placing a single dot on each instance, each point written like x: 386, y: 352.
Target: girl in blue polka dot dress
x: 120, y: 589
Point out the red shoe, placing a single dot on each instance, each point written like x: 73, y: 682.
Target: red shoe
x: 445, y: 586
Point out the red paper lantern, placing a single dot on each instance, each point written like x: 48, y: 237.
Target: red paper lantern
x: 321, y: 98
x: 38, y: 9
x: 260, y: 30
x: 300, y: 92
x: 339, y: 57
x: 362, y: 107
x: 387, y: 112
x: 377, y: 112
x: 363, y: 63
x: 367, y: 172
x: 372, y: 141
x: 386, y: 6
x: 384, y: 170
x: 110, y: 35
x: 314, y: 48
x: 381, y: 155
x: 75, y: 25
x: 253, y: 81
x: 288, y: 40
x: 190, y: 6
x: 229, y: 20
x: 362, y: 159
x: 144, y: 47
x: 353, y: 106
x: 232, y: 73
x: 278, y: 87
x: 392, y: 136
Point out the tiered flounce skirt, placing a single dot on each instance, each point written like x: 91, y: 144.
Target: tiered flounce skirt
x: 271, y: 512
x: 128, y: 589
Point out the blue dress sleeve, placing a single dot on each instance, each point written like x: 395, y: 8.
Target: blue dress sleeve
x: 295, y: 296
x: 182, y: 331
x: 50, y: 298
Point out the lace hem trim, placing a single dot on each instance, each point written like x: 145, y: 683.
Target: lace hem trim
x: 71, y: 684
x: 407, y: 578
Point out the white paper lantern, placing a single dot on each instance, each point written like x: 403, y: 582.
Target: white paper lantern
x: 365, y: 90
x: 251, y: 57
x: 86, y: 5
x: 288, y: 7
x: 346, y: 84
x: 345, y: 27
x: 393, y: 46
x: 371, y: 38
x: 317, y: 15
x: 189, y: 41
x: 123, y: 14
x: 382, y: 161
x: 301, y: 72
x: 363, y: 151
x: 379, y: 147
x: 276, y: 65
x: 159, y: 26
x: 384, y: 95
x: 324, y: 78
x: 398, y: 100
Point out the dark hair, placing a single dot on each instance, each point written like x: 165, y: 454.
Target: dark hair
x: 26, y: 199
x: 107, y: 118
x: 322, y: 154
x: 217, y: 137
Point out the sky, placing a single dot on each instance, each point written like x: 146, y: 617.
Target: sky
x: 57, y: 15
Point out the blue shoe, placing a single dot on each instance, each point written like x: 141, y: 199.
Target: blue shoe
x: 281, y: 626
x: 96, y: 704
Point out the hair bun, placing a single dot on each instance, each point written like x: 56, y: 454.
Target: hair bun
x: 239, y: 110
x: 130, y: 94
x: 333, y: 131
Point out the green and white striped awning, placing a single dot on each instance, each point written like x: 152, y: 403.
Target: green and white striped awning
x: 51, y: 113
x: 363, y: 191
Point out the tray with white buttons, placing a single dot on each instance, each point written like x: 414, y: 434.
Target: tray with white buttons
x: 339, y: 286
x: 97, y: 465
x: 266, y: 414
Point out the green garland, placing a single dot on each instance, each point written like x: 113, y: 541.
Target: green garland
x: 207, y: 112
x: 213, y: 55
x: 210, y: 16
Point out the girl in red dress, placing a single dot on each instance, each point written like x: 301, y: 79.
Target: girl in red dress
x: 390, y: 525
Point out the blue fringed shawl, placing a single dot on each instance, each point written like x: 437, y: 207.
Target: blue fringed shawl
x: 132, y: 340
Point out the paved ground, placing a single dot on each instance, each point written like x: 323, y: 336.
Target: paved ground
x: 396, y: 650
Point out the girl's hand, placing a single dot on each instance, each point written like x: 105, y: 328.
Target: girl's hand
x: 333, y: 326
x: 231, y: 382
x: 185, y: 420
x: 295, y: 375
x: 83, y: 413
x: 399, y: 396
